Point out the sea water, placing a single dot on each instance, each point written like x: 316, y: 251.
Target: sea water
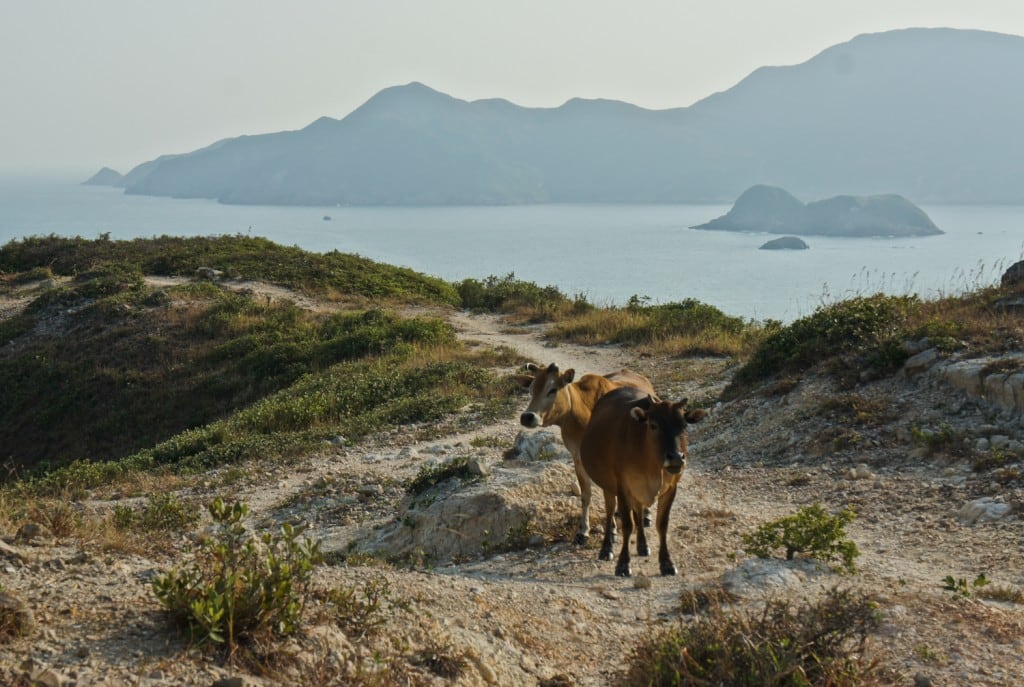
x: 607, y: 253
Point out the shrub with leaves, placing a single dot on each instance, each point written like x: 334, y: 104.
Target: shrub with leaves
x: 864, y: 331
x: 162, y: 512
x: 810, y: 531
x: 819, y: 643
x: 431, y: 475
x: 241, y: 586
x: 360, y: 612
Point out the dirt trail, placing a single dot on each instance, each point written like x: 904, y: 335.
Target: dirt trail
x: 491, y: 331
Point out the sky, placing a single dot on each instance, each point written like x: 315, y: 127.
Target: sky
x: 86, y: 84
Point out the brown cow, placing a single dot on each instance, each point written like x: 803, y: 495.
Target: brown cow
x: 557, y: 401
x: 635, y: 449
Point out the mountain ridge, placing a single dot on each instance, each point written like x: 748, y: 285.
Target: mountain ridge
x: 824, y: 127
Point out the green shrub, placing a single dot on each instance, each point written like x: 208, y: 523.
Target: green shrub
x: 360, y: 613
x: 508, y: 294
x: 934, y: 441
x: 820, y: 643
x: 108, y: 279
x: 162, y: 512
x: 811, y: 531
x: 240, y: 586
x: 867, y: 330
x: 960, y: 587
x: 432, y: 475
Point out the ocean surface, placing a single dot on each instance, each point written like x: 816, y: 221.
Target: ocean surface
x: 606, y: 252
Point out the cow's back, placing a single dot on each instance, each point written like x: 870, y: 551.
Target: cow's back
x: 612, y: 433
x: 626, y: 377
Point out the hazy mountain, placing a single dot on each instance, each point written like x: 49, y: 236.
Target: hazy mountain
x: 931, y: 114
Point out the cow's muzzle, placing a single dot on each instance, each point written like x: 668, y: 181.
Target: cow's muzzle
x: 674, y: 463
x: 529, y: 420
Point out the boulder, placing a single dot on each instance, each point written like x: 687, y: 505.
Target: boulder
x: 1013, y: 276
x: 16, y: 618
x: 981, y: 510
x: 455, y: 520
x: 757, y: 577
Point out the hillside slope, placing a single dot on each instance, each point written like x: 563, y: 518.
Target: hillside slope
x: 538, y: 609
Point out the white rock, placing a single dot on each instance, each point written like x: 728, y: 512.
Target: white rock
x: 985, y: 509
x: 756, y: 576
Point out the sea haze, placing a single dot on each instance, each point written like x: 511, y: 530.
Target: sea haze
x: 606, y: 252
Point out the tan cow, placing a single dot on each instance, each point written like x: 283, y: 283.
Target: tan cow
x: 635, y: 449
x: 558, y: 401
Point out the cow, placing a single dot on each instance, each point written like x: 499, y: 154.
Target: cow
x: 635, y: 449
x: 558, y: 401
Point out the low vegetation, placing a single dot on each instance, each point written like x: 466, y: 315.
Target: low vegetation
x: 431, y: 475
x: 525, y: 300
x: 781, y: 645
x: 240, y: 587
x: 159, y: 371
x: 237, y: 257
x: 810, y: 531
x: 686, y: 327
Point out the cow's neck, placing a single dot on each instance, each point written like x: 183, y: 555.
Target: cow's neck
x: 572, y: 417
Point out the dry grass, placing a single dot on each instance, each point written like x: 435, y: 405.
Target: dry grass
x: 660, y: 332
x: 819, y: 643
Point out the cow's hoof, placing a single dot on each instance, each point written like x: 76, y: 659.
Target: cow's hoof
x: 644, y: 550
x: 605, y: 555
x: 581, y: 539
x: 622, y: 570
x: 668, y: 569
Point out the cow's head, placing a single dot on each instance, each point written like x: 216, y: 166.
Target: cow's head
x: 544, y: 383
x: 666, y: 423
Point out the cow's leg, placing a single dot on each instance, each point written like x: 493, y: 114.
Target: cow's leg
x: 609, y: 527
x: 583, y: 533
x: 664, y: 508
x: 642, y: 549
x: 647, y: 517
x: 622, y: 567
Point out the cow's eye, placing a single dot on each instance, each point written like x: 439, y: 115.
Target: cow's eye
x: 552, y: 392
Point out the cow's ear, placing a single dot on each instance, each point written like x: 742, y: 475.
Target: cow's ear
x: 695, y: 416
x: 525, y: 381
x: 532, y: 367
x: 569, y: 375
x: 638, y: 414
x: 645, y: 403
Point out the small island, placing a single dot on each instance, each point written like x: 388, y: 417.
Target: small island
x: 105, y: 177
x: 785, y: 243
x: 772, y: 210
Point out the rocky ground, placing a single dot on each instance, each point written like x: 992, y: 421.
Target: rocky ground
x: 537, y: 609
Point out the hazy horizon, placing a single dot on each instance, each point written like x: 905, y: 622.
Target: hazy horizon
x: 114, y: 83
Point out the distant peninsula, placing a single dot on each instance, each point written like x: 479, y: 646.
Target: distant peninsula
x: 105, y: 177
x: 772, y: 210
x: 932, y: 114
